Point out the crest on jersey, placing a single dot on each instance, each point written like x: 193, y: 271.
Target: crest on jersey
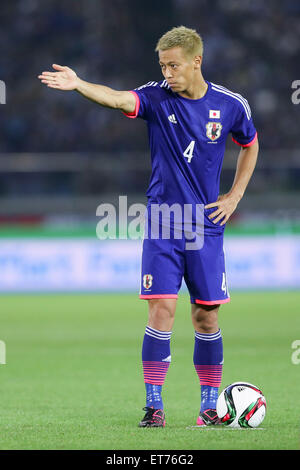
x: 147, y: 281
x: 213, y: 130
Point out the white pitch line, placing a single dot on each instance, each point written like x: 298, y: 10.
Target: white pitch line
x: 222, y: 428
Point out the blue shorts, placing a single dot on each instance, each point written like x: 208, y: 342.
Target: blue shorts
x: 166, y: 262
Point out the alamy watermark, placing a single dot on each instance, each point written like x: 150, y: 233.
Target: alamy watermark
x: 157, y: 221
x: 2, y: 92
x: 2, y: 352
x: 296, y: 94
x: 295, y: 357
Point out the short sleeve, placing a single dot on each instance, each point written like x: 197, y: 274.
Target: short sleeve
x: 243, y: 130
x: 143, y: 102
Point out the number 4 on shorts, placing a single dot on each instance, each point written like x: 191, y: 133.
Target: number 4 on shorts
x: 188, y: 153
x: 224, y: 284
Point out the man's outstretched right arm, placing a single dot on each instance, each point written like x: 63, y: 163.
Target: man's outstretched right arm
x: 66, y: 79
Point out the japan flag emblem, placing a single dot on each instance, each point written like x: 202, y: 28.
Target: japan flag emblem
x: 214, y: 114
x: 213, y: 130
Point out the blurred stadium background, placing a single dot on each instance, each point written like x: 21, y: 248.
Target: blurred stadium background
x: 61, y: 155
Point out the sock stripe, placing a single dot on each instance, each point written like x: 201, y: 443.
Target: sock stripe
x: 209, y: 374
x: 155, y: 372
x: 163, y: 335
x: 208, y: 336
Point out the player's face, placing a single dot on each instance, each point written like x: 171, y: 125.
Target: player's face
x: 178, y: 69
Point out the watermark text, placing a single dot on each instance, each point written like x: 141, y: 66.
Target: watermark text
x: 295, y: 357
x: 157, y: 221
x: 2, y: 352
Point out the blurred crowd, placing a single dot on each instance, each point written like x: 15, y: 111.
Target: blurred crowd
x: 251, y: 47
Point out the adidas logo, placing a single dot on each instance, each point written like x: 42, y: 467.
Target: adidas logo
x: 167, y: 359
x: 172, y: 119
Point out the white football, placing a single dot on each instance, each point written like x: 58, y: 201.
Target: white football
x: 241, y: 405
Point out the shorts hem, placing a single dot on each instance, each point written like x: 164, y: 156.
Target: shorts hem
x: 158, y: 296
x: 210, y: 302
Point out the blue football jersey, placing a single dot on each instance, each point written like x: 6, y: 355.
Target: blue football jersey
x: 187, y: 141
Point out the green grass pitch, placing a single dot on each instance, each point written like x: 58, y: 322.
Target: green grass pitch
x: 73, y: 376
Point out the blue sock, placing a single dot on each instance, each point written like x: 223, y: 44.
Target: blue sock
x: 153, y: 396
x: 156, y: 357
x: 208, y: 361
x: 209, y: 397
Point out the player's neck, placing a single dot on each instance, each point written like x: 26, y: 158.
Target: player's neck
x: 196, y: 90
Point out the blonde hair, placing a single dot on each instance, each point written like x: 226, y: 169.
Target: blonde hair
x: 190, y: 41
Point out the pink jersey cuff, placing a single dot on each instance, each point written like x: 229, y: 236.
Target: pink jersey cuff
x: 137, y: 106
x: 249, y: 143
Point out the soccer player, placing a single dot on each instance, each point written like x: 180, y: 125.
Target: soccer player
x: 189, y: 119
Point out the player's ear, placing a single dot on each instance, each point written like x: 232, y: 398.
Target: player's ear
x: 197, y: 61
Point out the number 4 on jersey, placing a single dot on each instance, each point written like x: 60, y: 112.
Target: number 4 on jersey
x: 188, y: 153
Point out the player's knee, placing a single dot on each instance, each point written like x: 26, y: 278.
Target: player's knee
x: 161, y: 313
x: 205, y: 318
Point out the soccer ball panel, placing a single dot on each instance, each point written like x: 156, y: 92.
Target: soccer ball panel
x: 241, y: 404
x: 257, y: 417
x: 222, y: 408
